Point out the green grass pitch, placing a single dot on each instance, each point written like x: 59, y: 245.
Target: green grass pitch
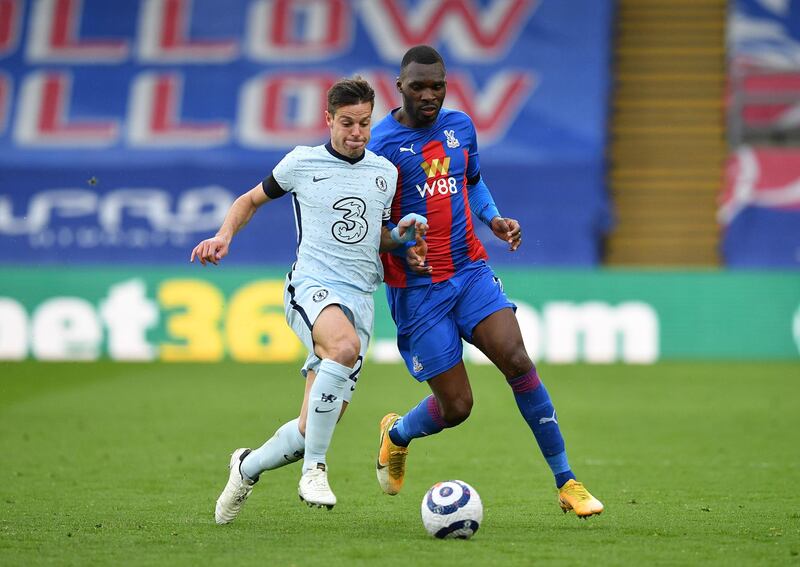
x: 107, y: 464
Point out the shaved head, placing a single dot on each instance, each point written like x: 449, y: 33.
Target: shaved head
x: 423, y: 54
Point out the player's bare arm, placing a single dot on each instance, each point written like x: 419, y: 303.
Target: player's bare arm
x: 242, y: 210
x: 508, y: 230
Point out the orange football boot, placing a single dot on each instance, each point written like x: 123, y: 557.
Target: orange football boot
x: 391, y: 465
x: 574, y: 496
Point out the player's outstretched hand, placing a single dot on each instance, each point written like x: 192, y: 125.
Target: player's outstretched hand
x: 416, y: 255
x: 210, y: 250
x: 508, y: 230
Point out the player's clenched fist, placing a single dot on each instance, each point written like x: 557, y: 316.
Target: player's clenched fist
x: 210, y: 250
x: 508, y: 230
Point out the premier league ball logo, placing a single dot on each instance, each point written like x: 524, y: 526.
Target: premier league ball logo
x: 452, y: 509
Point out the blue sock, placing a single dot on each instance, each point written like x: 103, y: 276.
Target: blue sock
x: 535, y: 406
x: 422, y: 420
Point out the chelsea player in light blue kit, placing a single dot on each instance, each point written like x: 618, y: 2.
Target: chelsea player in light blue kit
x: 342, y: 194
x: 459, y: 297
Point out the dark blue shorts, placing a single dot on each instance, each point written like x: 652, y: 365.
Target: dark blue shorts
x: 432, y: 319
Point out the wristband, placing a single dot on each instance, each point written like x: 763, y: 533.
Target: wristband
x: 410, y: 234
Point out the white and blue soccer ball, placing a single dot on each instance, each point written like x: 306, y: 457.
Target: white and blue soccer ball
x: 452, y: 509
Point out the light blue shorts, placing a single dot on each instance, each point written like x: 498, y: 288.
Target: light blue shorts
x: 304, y: 299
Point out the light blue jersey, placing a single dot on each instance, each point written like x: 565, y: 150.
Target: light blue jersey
x: 340, y: 205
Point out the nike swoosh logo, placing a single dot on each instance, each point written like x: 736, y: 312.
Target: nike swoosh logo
x: 316, y: 179
x: 324, y: 411
x: 352, y: 388
x: 378, y: 464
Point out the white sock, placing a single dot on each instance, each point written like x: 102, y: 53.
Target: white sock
x: 284, y: 447
x: 324, y: 407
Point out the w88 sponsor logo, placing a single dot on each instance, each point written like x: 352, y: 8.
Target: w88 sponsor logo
x: 442, y: 186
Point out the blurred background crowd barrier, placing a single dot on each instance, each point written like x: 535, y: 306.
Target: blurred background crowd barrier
x: 621, y: 134
x: 133, y: 125
x: 761, y: 202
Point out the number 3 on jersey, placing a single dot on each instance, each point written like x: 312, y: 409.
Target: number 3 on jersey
x: 353, y: 226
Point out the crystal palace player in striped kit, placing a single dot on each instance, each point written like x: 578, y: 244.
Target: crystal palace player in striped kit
x: 455, y: 294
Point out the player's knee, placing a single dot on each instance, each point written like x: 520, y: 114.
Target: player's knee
x: 457, y: 411
x: 517, y: 362
x: 345, y: 351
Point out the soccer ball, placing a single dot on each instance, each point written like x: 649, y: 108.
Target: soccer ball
x: 452, y: 509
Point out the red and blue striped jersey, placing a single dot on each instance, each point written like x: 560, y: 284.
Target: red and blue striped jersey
x: 433, y: 166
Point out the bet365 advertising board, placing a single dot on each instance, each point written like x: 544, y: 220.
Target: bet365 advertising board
x: 211, y: 314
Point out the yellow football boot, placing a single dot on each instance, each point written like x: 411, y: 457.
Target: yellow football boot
x: 574, y: 496
x: 391, y: 465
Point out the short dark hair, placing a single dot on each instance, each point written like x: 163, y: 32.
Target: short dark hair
x: 424, y: 54
x: 345, y: 92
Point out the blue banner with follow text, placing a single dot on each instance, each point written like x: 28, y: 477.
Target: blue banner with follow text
x: 127, y: 128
